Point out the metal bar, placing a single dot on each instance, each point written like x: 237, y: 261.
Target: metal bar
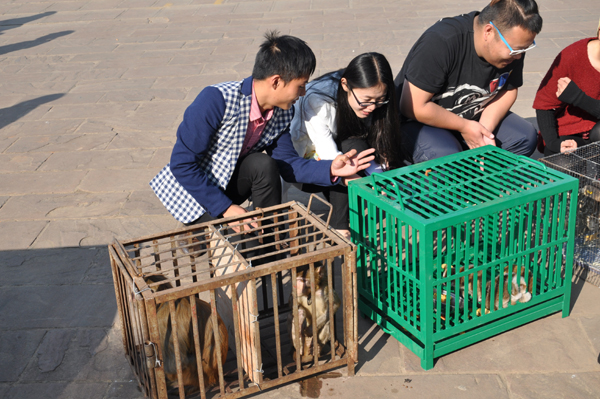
x: 250, y: 273
x: 175, y: 338
x: 236, y: 328
x: 276, y: 320
x: 296, y: 321
x: 299, y: 374
x: 145, y: 334
x: 295, y: 207
x: 156, y: 255
x: 155, y: 337
x: 113, y: 267
x: 315, y: 333
x: 194, y: 315
x: 215, y: 324
x: 331, y: 299
x: 352, y: 344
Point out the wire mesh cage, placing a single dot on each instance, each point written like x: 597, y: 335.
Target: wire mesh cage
x: 584, y: 165
x: 237, y: 305
x: 457, y: 249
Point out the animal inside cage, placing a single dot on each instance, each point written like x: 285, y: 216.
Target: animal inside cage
x: 584, y: 165
x: 454, y: 250
x: 237, y: 305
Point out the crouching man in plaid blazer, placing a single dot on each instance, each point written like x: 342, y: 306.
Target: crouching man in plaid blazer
x: 234, y: 140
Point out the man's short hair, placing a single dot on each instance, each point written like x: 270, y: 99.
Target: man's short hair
x: 286, y: 56
x: 507, y: 14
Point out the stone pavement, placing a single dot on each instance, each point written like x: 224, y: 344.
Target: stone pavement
x: 91, y: 94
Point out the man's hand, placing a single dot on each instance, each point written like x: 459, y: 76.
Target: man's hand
x: 350, y: 163
x: 476, y: 135
x: 562, y: 85
x: 236, y: 210
x: 568, y: 145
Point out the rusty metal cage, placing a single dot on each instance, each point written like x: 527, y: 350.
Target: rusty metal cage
x: 584, y: 165
x: 177, y: 291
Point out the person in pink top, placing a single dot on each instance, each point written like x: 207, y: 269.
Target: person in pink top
x: 567, y: 103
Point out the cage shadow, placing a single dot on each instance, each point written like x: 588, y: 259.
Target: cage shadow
x: 371, y: 341
x: 60, y: 326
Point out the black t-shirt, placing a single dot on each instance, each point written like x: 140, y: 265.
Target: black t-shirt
x: 444, y: 62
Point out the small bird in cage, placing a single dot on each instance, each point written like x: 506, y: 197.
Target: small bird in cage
x: 321, y: 295
x: 185, y: 339
x: 592, y: 192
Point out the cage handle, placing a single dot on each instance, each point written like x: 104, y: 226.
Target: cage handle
x: 533, y: 161
x: 324, y: 202
x: 396, y: 189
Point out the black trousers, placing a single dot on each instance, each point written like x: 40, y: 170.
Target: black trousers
x: 255, y: 175
x: 338, y: 195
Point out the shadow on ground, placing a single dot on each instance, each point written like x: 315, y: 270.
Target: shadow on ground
x: 11, y: 114
x: 9, y: 48
x: 17, y: 22
x: 57, y: 339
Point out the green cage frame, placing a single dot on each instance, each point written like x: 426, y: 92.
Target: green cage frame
x: 459, y: 228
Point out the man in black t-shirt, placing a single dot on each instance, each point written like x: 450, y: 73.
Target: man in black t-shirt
x: 461, y: 77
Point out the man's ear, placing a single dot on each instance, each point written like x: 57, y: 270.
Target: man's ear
x: 488, y: 32
x: 275, y: 81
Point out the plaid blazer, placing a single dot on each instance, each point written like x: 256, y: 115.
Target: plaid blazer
x: 224, y: 150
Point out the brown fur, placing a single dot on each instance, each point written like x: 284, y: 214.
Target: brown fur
x: 520, y: 290
x: 306, y: 295
x: 185, y: 337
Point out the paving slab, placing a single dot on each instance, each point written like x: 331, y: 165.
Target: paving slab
x: 19, y: 234
x: 554, y: 386
x: 83, y: 232
x: 16, y: 350
x: 57, y: 306
x: 22, y: 162
x: 55, y: 266
x: 58, y: 390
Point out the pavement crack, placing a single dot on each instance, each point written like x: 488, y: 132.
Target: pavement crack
x: 43, y: 162
x: 38, y: 235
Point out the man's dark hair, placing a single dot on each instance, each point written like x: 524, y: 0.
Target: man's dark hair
x: 507, y: 14
x: 286, y: 56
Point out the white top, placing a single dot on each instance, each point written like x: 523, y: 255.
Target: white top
x: 313, y: 127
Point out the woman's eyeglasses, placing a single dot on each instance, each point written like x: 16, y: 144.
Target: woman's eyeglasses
x: 368, y: 103
x: 512, y: 52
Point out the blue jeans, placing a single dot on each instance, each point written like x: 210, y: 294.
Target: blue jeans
x: 424, y: 142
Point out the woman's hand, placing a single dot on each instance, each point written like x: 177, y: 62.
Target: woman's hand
x: 350, y: 163
x: 562, y: 85
x: 568, y: 145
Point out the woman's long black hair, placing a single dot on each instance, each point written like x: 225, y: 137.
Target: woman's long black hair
x: 383, y: 134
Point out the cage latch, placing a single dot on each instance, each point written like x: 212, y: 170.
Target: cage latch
x: 259, y: 371
x: 135, y: 292
x: 152, y: 360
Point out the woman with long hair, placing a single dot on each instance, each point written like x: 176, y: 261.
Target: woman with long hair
x: 353, y: 108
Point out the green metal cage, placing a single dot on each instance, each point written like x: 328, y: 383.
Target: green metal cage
x: 457, y: 249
